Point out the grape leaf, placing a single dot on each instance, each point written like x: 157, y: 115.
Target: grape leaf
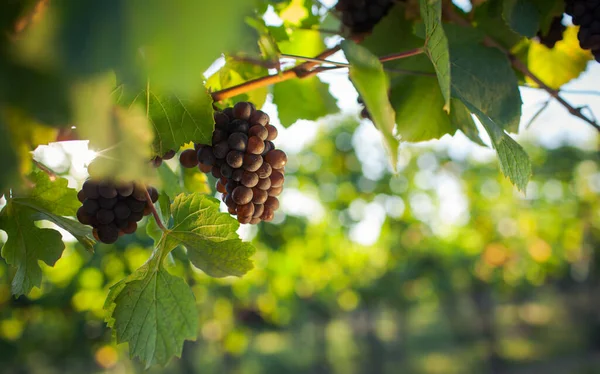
x: 522, y: 16
x: 436, y: 45
x: 153, y: 311
x: 48, y: 200
x: 418, y: 103
x: 561, y: 64
x: 461, y: 118
x: 176, y: 120
x: 302, y: 43
x: 514, y: 161
x: 483, y: 77
x: 366, y: 73
x: 380, y: 43
x: 314, y: 95
x: 96, y: 37
x: 195, y: 181
x: 488, y: 18
x: 209, y: 236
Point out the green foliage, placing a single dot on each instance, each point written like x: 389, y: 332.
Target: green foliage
x: 177, y: 120
x: 209, y: 236
x: 436, y: 45
x: 128, y: 76
x: 312, y: 95
x: 27, y: 244
x: 372, y: 84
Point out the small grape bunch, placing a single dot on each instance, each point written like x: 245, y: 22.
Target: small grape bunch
x: 554, y: 34
x: 249, y: 169
x: 361, y: 16
x: 113, y: 209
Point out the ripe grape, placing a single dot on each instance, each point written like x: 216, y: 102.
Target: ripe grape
x: 267, y: 215
x: 206, y: 156
x: 246, y: 210
x: 277, y: 178
x: 221, y: 121
x: 216, y: 172
x: 81, y: 196
x: 255, y: 145
x: 272, y: 203
x: 122, y: 210
x: 260, y: 131
x: 205, y: 168
x: 275, y: 191
x: 237, y: 174
x: 125, y: 189
x: 259, y: 118
x: 238, y: 125
x: 269, y: 146
x: 169, y: 155
x: 242, y: 195
x: 244, y: 220
x: 189, y: 158
x: 264, y: 171
x: 249, y: 179
x: 105, y: 216
x: 108, y: 234
x: 252, y: 162
x: 107, y: 203
x: 90, y: 189
x: 107, y: 190
x: 272, y: 132
x: 135, y: 205
x: 277, y: 158
x: 235, y: 159
x: 226, y: 171
x: 221, y: 149
x: 238, y: 141
x: 259, y: 196
x: 361, y: 16
x: 131, y: 227
x: 258, y: 210
x: 153, y: 192
x: 242, y: 110
x: 91, y: 206
x: 219, y: 136
x: 264, y: 184
x: 83, y: 216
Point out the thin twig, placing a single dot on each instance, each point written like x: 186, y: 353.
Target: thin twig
x: 317, y: 60
x: 538, y: 113
x: 520, y: 66
x: 153, y: 210
x: 51, y: 174
x: 401, y: 55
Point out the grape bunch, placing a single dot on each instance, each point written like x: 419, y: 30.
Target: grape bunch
x: 554, y: 34
x: 586, y: 15
x: 249, y: 169
x: 362, y: 15
x: 113, y: 209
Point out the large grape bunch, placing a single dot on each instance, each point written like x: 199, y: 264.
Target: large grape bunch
x: 586, y: 15
x: 361, y: 16
x: 113, y: 209
x: 248, y: 167
x: 554, y: 34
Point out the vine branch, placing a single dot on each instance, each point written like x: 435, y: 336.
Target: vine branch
x: 520, y: 66
x: 304, y: 70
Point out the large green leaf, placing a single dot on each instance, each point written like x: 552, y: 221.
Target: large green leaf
x: 488, y: 19
x: 522, y: 16
x: 27, y: 244
x: 123, y: 138
x: 380, y: 43
x: 174, y: 41
x: 436, y: 45
x: 209, y: 236
x: 561, y: 64
x: 483, y: 77
x: 418, y: 103
x: 176, y: 119
x: 153, y: 311
x: 367, y: 75
x: 314, y: 95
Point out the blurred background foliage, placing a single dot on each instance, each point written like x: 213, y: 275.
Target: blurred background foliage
x: 442, y: 268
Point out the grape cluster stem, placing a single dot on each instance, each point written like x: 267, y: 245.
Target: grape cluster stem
x: 154, y: 212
